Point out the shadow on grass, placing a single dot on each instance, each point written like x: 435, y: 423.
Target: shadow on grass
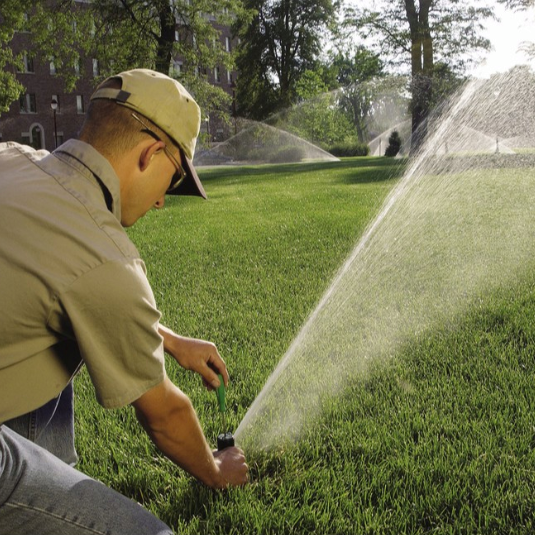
x: 349, y: 170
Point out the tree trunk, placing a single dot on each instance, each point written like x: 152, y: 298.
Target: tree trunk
x: 421, y: 69
x: 285, y: 56
x: 166, y: 38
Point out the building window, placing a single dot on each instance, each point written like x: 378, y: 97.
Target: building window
x: 36, y: 137
x: 25, y: 23
x: 27, y: 64
x: 96, y: 67
x: 176, y: 69
x: 77, y: 66
x: 28, y: 103
x: 32, y: 104
x: 52, y: 67
x: 227, y: 44
x: 80, y: 104
x: 217, y: 75
x: 177, y: 36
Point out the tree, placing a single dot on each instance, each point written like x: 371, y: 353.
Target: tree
x: 152, y: 33
x: 11, y: 19
x: 421, y: 33
x: 356, y: 72
x: 279, y: 42
x: 125, y: 34
x: 517, y: 4
x: 317, y: 117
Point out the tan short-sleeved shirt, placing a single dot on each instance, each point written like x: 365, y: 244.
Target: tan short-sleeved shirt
x: 73, y: 288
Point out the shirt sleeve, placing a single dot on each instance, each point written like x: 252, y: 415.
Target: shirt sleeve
x: 113, y: 317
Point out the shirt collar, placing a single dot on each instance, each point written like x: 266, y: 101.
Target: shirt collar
x: 90, y: 163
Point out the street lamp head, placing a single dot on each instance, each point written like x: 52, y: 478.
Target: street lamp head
x: 54, y: 105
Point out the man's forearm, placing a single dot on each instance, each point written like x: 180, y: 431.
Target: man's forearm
x: 170, y: 420
x: 168, y: 337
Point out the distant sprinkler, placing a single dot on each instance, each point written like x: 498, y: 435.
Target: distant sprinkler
x: 497, y: 145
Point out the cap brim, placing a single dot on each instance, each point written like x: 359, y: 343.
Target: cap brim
x: 191, y: 185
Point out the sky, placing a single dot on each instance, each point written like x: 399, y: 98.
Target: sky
x: 506, y: 37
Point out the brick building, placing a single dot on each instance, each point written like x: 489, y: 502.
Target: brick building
x: 45, y: 115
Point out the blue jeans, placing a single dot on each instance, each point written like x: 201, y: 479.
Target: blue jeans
x: 51, y: 426
x: 41, y: 493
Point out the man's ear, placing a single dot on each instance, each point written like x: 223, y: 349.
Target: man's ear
x: 147, y: 154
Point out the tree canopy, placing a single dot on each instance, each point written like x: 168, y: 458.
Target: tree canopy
x: 281, y: 58
x: 280, y: 40
x: 423, y: 34
x: 122, y: 35
x: 517, y: 4
x: 357, y: 73
x: 12, y: 17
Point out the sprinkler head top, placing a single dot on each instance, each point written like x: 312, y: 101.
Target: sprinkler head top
x: 225, y: 440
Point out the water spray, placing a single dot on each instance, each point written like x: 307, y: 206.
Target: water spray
x: 450, y: 232
x: 226, y: 438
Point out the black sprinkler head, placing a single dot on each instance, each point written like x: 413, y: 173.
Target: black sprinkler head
x: 225, y: 440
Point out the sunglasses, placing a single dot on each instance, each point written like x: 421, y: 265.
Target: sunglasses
x: 180, y: 174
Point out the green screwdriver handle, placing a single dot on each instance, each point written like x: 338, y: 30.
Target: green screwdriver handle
x: 221, y: 395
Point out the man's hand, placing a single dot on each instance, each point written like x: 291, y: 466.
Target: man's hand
x: 197, y: 355
x: 232, y: 466
x: 168, y: 417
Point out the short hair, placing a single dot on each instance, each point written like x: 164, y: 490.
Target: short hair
x: 110, y: 128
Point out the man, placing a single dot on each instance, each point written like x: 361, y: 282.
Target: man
x: 74, y: 291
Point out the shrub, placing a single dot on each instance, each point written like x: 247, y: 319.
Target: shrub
x: 394, y: 144
x: 255, y: 155
x: 288, y: 154
x: 349, y: 149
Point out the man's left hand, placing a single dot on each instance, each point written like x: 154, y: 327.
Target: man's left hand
x: 196, y: 355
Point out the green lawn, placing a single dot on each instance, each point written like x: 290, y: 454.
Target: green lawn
x: 439, y: 440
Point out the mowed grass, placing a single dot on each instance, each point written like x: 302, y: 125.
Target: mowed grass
x: 440, y: 440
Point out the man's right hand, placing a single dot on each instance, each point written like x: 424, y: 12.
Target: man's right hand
x: 167, y: 415
x: 232, y: 466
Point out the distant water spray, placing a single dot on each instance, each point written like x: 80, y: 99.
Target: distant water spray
x: 282, y: 137
x: 460, y: 222
x: 258, y: 142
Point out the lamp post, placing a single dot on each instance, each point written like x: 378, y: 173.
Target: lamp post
x: 54, y: 106
x: 207, y: 121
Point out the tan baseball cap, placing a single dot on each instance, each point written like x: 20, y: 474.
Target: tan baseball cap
x: 170, y: 107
